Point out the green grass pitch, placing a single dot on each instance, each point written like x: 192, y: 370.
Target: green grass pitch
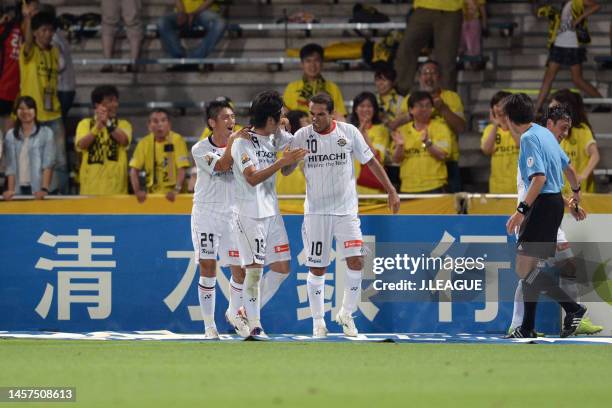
x: 265, y: 374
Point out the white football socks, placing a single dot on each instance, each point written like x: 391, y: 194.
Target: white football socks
x: 251, y: 296
x: 235, y: 299
x: 206, y: 295
x: 352, y: 291
x: 316, y: 295
x: 519, y: 307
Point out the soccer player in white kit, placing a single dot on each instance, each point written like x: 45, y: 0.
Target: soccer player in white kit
x: 558, y: 121
x: 210, y: 230
x: 258, y: 227
x: 331, y: 207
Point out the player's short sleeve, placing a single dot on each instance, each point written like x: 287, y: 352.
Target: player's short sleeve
x: 361, y: 150
x: 242, y: 155
x: 531, y: 158
x: 585, y: 138
x: 336, y: 94
x: 204, y: 159
x: 138, y: 158
x: 180, y: 151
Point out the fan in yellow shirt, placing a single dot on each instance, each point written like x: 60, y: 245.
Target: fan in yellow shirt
x: 422, y: 146
x: 298, y: 93
x: 103, y: 141
x: 164, y: 157
x: 497, y: 141
x: 366, y: 117
x: 580, y: 145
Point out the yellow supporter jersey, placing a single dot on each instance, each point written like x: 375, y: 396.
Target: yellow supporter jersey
x: 390, y: 105
x: 167, y: 163
x: 104, y: 164
x: 39, y: 75
x: 208, y: 131
x: 576, y: 147
x: 192, y: 5
x: 420, y: 171
x: 444, y: 5
x: 380, y: 139
x: 454, y: 103
x: 504, y: 161
x: 295, y: 183
x: 298, y: 93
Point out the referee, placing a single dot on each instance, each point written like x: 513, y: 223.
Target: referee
x: 542, y: 164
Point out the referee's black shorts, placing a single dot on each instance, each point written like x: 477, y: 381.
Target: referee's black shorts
x: 538, y: 232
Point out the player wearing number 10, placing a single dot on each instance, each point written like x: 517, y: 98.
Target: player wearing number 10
x: 330, y: 209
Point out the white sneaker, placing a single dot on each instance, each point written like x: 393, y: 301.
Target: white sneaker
x: 258, y: 332
x: 348, y: 324
x: 319, y: 331
x: 211, y: 333
x: 239, y: 324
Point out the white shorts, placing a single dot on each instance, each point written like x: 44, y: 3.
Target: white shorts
x: 260, y: 240
x: 212, y: 237
x: 318, y: 232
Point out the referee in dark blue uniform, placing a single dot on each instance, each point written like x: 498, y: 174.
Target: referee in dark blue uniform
x: 542, y: 164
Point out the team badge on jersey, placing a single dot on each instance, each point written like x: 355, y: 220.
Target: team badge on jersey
x: 245, y: 158
x: 341, y: 142
x: 209, y: 160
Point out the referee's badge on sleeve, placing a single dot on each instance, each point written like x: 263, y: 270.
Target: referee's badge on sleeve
x: 530, y: 161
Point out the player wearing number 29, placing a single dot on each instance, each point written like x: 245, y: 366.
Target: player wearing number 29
x: 258, y: 227
x: 210, y: 232
x: 330, y: 209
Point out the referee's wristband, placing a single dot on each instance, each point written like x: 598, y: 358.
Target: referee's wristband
x: 523, y: 207
x: 576, y: 190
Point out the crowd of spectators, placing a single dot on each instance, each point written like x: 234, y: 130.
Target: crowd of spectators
x: 413, y: 127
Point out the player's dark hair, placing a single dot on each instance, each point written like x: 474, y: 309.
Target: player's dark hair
x: 519, y: 108
x: 499, y: 95
x: 359, y: 99
x: 574, y: 104
x: 418, y: 96
x: 267, y: 104
x: 30, y: 103
x: 430, y: 62
x: 160, y: 110
x: 323, y: 98
x: 214, y: 108
x: 559, y: 112
x: 386, y: 72
x: 311, y: 49
x: 294, y: 117
x: 103, y: 91
x: 43, y: 19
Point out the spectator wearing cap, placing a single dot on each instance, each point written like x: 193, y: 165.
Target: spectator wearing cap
x: 430, y: 20
x: 298, y: 93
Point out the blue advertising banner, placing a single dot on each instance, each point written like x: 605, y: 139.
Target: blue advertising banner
x: 137, y: 272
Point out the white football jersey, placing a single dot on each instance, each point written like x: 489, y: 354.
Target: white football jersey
x: 329, y: 169
x: 259, y: 201
x: 211, y: 187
